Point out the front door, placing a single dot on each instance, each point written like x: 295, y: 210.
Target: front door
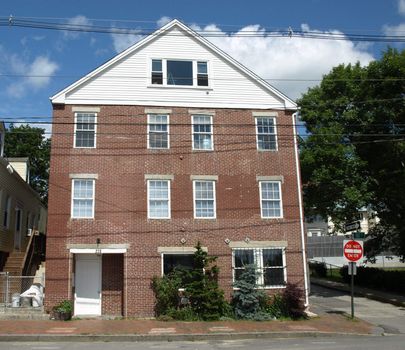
x: 88, y: 285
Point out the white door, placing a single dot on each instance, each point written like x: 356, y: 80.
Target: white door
x: 88, y: 285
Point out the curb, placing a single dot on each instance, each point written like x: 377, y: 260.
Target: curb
x: 360, y: 293
x: 170, y: 338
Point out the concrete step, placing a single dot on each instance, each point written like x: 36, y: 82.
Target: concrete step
x: 22, y: 313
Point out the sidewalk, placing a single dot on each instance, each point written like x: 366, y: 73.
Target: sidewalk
x: 385, y: 297
x: 144, y: 330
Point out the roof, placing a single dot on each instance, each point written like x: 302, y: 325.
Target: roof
x: 289, y: 103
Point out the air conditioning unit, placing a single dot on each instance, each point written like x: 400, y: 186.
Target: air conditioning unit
x: 29, y: 232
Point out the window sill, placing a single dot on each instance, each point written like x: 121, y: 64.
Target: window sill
x: 267, y: 150
x: 266, y: 287
x: 272, y: 218
x: 186, y: 87
x: 205, y: 218
x: 75, y: 219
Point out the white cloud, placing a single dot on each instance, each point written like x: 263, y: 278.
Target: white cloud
x: 38, y: 74
x: 163, y: 20
x: 394, y: 30
x: 401, y: 7
x: 47, y: 127
x: 78, y: 20
x: 288, y: 58
x: 123, y: 41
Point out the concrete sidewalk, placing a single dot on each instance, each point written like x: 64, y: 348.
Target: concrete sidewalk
x: 143, y: 330
x: 385, y: 297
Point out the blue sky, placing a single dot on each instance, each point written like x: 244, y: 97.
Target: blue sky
x: 62, y: 57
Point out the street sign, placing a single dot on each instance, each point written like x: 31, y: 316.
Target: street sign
x: 352, y: 250
x: 353, y: 226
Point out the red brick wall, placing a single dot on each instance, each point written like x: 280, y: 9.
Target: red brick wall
x: 121, y: 160
x: 112, y: 284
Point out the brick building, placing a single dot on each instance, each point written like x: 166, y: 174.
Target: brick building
x: 169, y: 143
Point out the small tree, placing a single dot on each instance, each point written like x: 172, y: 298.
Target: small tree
x: 206, y: 298
x: 293, y: 299
x: 248, y: 302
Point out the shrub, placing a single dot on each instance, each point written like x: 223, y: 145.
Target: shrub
x: 318, y: 269
x: 277, y: 307
x: 65, y: 306
x: 293, y: 299
x: 249, y: 302
x: 166, y: 290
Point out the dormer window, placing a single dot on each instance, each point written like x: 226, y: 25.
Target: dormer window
x: 168, y: 72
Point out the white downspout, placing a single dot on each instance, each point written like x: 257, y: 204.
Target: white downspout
x: 304, y: 257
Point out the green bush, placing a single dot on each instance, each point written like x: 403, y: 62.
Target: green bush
x: 64, y: 306
x: 371, y: 277
x: 277, y: 308
x: 200, y: 284
x: 248, y: 301
x: 293, y: 299
x: 318, y: 269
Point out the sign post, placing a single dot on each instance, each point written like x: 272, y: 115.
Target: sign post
x: 352, y: 251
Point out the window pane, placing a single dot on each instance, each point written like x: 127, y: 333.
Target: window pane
x: 272, y: 257
x: 202, y: 68
x: 158, y: 199
x: 156, y: 65
x: 85, y: 130
x: 274, y: 277
x: 158, y: 131
x: 179, y: 73
x: 83, y: 198
x: 243, y: 257
x: 171, y: 261
x: 270, y: 190
x: 271, y: 209
x: 266, y: 134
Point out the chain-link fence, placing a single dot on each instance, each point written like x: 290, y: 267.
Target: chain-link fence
x: 21, y: 291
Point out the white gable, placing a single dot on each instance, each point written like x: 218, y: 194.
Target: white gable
x: 126, y: 79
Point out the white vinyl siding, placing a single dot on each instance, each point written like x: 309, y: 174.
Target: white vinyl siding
x: 270, y: 263
x: 83, y: 198
x: 270, y: 199
x: 204, y: 199
x: 85, y: 130
x: 158, y: 131
x: 202, y: 132
x: 158, y: 199
x: 266, y: 134
x: 227, y: 85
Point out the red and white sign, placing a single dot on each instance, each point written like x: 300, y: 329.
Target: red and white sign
x: 353, y: 250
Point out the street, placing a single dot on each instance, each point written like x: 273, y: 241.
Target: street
x: 390, y: 318
x: 325, y: 343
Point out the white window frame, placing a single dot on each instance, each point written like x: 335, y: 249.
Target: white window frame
x: 258, y: 261
x: 95, y: 130
x: 202, y: 133
x: 195, y: 73
x: 168, y: 200
x: 93, y: 199
x: 214, y: 198
x: 275, y: 134
x: 261, y: 199
x: 168, y: 130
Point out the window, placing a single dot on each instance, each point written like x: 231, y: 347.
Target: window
x: 266, y: 134
x: 158, y: 199
x: 158, y: 131
x: 157, y: 73
x: 172, y: 261
x: 204, y: 199
x: 202, y: 132
x: 270, y: 199
x: 83, y: 199
x: 179, y: 72
x: 202, y: 74
x: 270, y: 263
x: 7, y: 213
x: 85, y: 130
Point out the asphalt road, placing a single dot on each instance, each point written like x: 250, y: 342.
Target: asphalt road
x: 330, y: 343
x: 390, y: 318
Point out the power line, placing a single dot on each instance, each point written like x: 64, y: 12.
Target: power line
x: 16, y: 22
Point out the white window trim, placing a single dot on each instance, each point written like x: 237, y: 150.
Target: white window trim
x: 168, y: 200
x: 7, y: 207
x: 275, y: 134
x: 211, y: 133
x: 215, y: 201
x: 164, y: 71
x: 261, y: 200
x: 95, y: 130
x: 258, y: 257
x: 93, y: 204
x: 168, y: 131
